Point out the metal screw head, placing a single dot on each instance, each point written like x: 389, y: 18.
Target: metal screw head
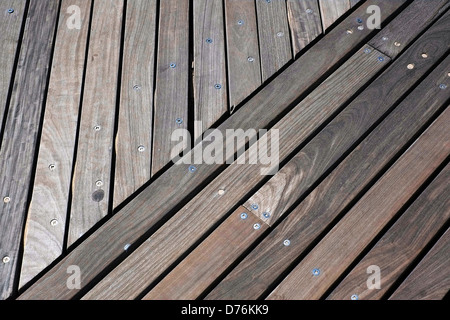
x: 179, y: 121
x: 316, y: 272
x: 209, y: 40
x: 6, y: 259
x: 385, y: 38
x: 10, y: 10
x: 410, y: 66
x: 251, y: 59
x: 244, y: 216
x: 287, y: 243
x: 99, y: 183
x: 359, y: 20
x: 127, y: 246
x: 141, y: 148
x: 349, y: 31
x: 381, y: 59
x: 360, y: 28
x: 137, y: 88
x: 52, y: 167
x: 6, y: 199
x: 173, y: 65
x: 54, y: 223
x: 280, y: 34
x: 218, y: 86
x: 192, y: 169
x: 256, y: 226
x: 266, y: 215
x: 97, y: 128
x: 268, y: 1
x: 354, y: 297
x: 309, y: 11
x: 221, y: 192
x: 448, y: 74
x: 240, y: 22
x: 397, y: 44
x: 254, y: 206
x: 443, y: 86
x: 424, y: 55
x: 367, y: 50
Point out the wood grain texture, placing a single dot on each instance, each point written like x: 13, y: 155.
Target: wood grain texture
x: 172, y: 79
x: 368, y: 217
x: 304, y: 22
x: 332, y: 10
x: 274, y: 37
x: 210, y: 103
x: 91, y: 181
x: 398, y: 248
x: 244, y: 64
x: 21, y: 132
x: 429, y: 280
x: 312, y: 216
x: 10, y: 24
x: 135, y: 129
x: 43, y: 242
x: 354, y: 2
x: 196, y: 218
x: 156, y: 201
x: 283, y: 190
x: 196, y: 273
x: 396, y: 36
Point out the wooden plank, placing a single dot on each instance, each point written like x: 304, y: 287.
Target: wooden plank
x: 134, y: 135
x: 21, y: 129
x: 178, y: 183
x: 354, y: 2
x: 244, y: 64
x: 368, y: 217
x: 314, y: 214
x: 11, y: 25
x: 429, y: 280
x: 46, y: 220
x: 91, y: 181
x: 402, y: 243
x: 210, y: 103
x: 304, y: 22
x: 332, y: 10
x: 172, y: 79
x: 192, y: 276
x: 196, y: 218
x: 274, y: 39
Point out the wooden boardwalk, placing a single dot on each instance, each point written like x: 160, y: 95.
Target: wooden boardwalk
x: 92, y: 205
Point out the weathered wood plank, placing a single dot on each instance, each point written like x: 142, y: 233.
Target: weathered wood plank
x: 192, y: 276
x: 134, y: 135
x: 178, y: 183
x: 354, y: 2
x: 368, y: 217
x: 172, y: 79
x: 274, y: 36
x: 311, y: 217
x: 11, y: 25
x: 21, y: 133
x: 402, y: 243
x: 210, y: 76
x: 304, y: 21
x: 429, y: 280
x: 196, y: 218
x: 91, y: 181
x: 46, y: 220
x: 244, y: 64
x: 332, y: 10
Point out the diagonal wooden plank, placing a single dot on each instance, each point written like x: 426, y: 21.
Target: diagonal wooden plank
x: 91, y: 180
x: 146, y: 210
x: 172, y: 78
x: 21, y: 133
x: 134, y: 134
x: 398, y: 248
x: 332, y: 10
x: 46, y: 220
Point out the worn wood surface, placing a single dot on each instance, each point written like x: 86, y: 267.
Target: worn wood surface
x: 11, y: 25
x: 158, y: 199
x: 368, y: 217
x: 274, y: 36
x: 398, y: 248
x: 135, y: 128
x: 429, y: 280
x: 211, y: 101
x: 332, y: 10
x: 267, y: 262
x: 46, y: 220
x: 244, y: 64
x: 305, y: 22
x: 21, y: 132
x: 172, y: 79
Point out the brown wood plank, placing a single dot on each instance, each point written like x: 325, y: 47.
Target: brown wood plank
x: 46, y: 220
x: 134, y: 135
x: 196, y: 218
x: 312, y: 216
x: 332, y: 10
x: 368, y: 217
x: 354, y: 2
x: 156, y: 201
x: 21, y: 133
x: 210, y: 100
x: 429, y: 280
x: 244, y: 64
x: 402, y: 243
x: 191, y: 277
x: 11, y: 25
x: 172, y: 79
x: 91, y: 181
x: 304, y: 22
x: 274, y: 39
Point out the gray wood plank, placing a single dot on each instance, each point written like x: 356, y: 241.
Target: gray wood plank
x: 21, y: 133
x: 332, y: 10
x: 91, y: 180
x: 46, y: 220
x: 134, y: 135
